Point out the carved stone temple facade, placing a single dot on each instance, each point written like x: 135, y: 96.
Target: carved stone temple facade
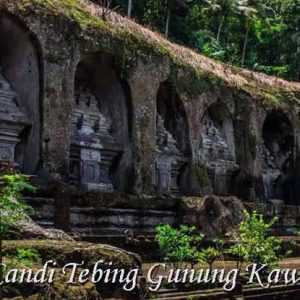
x: 169, y: 160
x: 12, y: 123
x: 216, y: 156
x: 153, y: 122
x: 93, y: 149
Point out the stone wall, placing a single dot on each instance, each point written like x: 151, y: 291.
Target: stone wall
x: 215, y: 128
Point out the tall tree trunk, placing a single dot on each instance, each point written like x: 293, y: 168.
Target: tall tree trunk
x: 220, y: 29
x: 245, y: 42
x: 168, y: 19
x: 129, y: 8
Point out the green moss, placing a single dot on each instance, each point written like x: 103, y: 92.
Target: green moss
x: 128, y: 46
x: 64, y: 251
x: 273, y: 98
x: 200, y: 172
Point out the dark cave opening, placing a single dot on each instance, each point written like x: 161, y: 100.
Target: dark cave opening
x: 277, y: 157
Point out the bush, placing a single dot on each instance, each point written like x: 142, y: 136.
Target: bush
x: 12, y: 206
x: 209, y: 255
x: 179, y: 246
x: 255, y: 245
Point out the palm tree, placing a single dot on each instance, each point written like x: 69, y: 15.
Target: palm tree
x: 170, y: 4
x: 248, y: 12
x: 222, y: 8
x: 129, y: 8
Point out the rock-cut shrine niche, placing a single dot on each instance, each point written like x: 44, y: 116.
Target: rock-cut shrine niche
x: 276, y: 155
x: 100, y: 149
x: 172, y: 147
x: 19, y: 97
x: 218, y: 148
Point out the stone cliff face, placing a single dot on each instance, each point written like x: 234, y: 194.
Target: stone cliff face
x: 115, y: 107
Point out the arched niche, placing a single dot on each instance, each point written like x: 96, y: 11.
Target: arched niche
x: 101, y: 154
x: 217, y: 151
x: 277, y: 155
x: 172, y: 141
x: 20, y: 93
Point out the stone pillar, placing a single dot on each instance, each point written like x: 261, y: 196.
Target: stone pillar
x: 57, y: 112
x: 144, y: 82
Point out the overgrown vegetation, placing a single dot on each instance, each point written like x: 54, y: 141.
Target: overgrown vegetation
x: 254, y: 245
x: 24, y: 258
x: 129, y: 43
x: 179, y: 246
x: 260, y: 34
x: 12, y: 206
x: 13, y: 209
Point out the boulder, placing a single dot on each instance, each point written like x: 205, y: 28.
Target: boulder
x: 213, y: 215
x: 64, y: 252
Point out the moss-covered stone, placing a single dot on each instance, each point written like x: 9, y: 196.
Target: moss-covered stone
x: 70, y: 252
x: 63, y: 252
x: 59, y: 291
x: 95, y: 34
x: 201, y: 175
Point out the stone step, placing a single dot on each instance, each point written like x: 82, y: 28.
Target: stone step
x: 250, y: 292
x: 43, y: 210
x: 46, y: 224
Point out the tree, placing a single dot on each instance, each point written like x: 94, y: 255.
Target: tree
x: 129, y: 10
x: 260, y: 35
x: 255, y: 245
x: 170, y: 5
x: 179, y: 246
x: 248, y: 12
x: 222, y: 8
x: 209, y: 255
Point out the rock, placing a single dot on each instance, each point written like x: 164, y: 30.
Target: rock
x: 213, y: 215
x: 61, y: 291
x: 30, y: 230
x: 64, y: 252
x: 69, y: 251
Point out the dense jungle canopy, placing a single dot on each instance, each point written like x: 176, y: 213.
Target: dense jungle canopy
x: 262, y: 35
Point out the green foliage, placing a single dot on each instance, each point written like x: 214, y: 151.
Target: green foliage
x: 178, y: 246
x: 12, y: 207
x: 209, y: 255
x: 201, y: 175
x: 262, y: 35
x: 255, y: 245
x: 25, y: 257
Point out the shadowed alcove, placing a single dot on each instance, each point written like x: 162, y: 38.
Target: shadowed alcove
x: 172, y: 142
x: 20, y: 95
x: 218, y: 147
x: 277, y: 155
x: 101, y: 155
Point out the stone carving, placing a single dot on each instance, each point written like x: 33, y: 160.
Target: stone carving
x: 169, y: 160
x: 12, y: 123
x: 93, y: 149
x: 215, y: 155
x: 270, y: 173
